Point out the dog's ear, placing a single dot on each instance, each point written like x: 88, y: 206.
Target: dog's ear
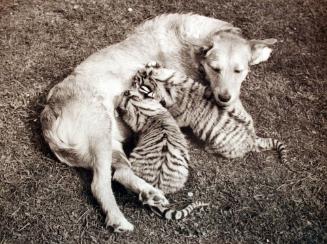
x: 200, y: 51
x: 261, y: 50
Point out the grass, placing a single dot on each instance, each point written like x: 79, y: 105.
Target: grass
x: 254, y: 199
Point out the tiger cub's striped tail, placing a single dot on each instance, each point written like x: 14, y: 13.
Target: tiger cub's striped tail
x: 262, y: 144
x: 169, y: 213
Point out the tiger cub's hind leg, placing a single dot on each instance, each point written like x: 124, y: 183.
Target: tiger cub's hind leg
x: 125, y: 176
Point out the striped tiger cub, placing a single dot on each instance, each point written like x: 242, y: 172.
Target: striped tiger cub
x: 161, y: 155
x: 227, y: 131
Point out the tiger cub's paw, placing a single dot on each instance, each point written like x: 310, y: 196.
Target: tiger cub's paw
x: 153, y: 197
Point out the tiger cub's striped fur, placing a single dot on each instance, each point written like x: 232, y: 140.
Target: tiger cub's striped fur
x: 161, y: 154
x: 228, y: 131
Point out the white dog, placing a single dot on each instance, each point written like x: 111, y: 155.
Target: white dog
x: 78, y: 121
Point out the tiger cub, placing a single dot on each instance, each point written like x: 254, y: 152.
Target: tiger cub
x: 161, y: 155
x: 227, y: 131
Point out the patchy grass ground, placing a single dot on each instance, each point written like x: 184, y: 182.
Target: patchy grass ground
x: 254, y: 199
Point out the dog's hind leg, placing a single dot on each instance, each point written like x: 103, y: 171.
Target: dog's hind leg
x: 124, y: 175
x: 101, y: 186
x: 78, y: 129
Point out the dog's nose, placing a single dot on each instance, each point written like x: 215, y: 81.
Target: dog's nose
x: 127, y: 93
x: 225, y: 97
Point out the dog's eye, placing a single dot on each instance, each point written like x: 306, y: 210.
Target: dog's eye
x: 237, y: 71
x: 217, y: 70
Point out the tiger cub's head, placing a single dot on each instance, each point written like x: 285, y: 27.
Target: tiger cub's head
x: 136, y: 108
x: 158, y: 82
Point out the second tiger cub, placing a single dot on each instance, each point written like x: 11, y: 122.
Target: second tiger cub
x: 227, y: 131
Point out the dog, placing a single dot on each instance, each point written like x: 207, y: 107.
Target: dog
x: 79, y: 123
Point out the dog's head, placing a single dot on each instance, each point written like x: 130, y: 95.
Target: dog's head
x: 225, y: 59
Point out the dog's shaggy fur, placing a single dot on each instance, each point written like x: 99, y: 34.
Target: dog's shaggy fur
x: 78, y: 121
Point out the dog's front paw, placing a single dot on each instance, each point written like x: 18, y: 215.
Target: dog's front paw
x: 119, y: 224
x: 153, y: 197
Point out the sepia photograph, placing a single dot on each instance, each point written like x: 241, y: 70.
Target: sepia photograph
x: 201, y: 121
